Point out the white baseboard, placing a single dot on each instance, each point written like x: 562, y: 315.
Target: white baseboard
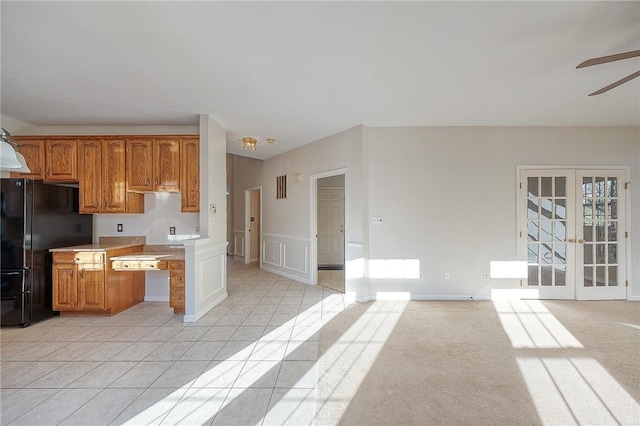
x: 298, y: 278
x: 430, y: 297
x: 156, y: 298
x: 633, y: 298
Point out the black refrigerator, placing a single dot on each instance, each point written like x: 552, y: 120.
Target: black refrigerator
x: 35, y: 217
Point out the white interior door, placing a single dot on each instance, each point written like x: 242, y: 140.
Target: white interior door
x: 570, y: 233
x: 330, y: 226
x: 548, y: 223
x: 600, y: 235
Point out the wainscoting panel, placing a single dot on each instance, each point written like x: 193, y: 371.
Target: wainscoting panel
x: 272, y: 253
x: 287, y: 256
x: 296, y: 258
x: 206, y: 280
x: 238, y: 244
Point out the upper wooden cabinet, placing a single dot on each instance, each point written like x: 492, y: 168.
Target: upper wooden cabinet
x: 33, y: 152
x: 140, y: 165
x: 115, y: 171
x: 190, y: 174
x: 166, y: 162
x: 49, y: 159
x: 153, y: 165
x: 102, y: 175
x: 60, y: 159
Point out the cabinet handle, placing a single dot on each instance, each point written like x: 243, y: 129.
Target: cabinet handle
x: 157, y: 180
x: 71, y: 273
x: 82, y: 273
x: 147, y: 183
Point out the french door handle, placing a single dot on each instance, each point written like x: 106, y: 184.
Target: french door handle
x: 580, y: 241
x: 571, y: 240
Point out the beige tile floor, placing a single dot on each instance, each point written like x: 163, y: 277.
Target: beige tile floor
x: 250, y: 360
x: 332, y: 279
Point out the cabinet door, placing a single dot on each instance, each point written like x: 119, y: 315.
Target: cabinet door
x: 91, y: 287
x: 140, y: 165
x: 64, y: 287
x: 166, y: 156
x: 89, y: 177
x: 60, y: 155
x: 190, y: 175
x: 113, y: 176
x: 33, y: 153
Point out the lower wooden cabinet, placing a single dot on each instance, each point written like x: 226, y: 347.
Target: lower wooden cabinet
x: 85, y: 284
x: 176, y: 286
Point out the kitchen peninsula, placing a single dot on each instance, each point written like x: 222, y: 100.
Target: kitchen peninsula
x: 108, y: 277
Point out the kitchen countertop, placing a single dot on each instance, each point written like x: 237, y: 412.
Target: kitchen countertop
x: 95, y: 247
x: 149, y: 251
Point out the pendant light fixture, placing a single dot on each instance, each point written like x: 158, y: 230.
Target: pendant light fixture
x: 10, y: 159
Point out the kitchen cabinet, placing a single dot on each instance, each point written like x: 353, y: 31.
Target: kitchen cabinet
x: 79, y: 281
x: 140, y: 165
x: 102, y: 176
x: 153, y: 165
x: 190, y: 174
x: 61, y: 161
x: 65, y: 282
x: 49, y: 159
x: 176, y: 286
x: 113, y: 179
x: 166, y: 164
x: 84, y: 283
x: 33, y: 152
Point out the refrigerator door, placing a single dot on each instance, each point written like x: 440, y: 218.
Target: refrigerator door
x: 15, y: 230
x: 15, y: 302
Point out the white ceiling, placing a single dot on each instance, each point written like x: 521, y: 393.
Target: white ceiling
x: 300, y: 71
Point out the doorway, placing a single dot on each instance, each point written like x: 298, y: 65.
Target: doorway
x: 253, y: 224
x: 330, y: 231
x: 573, y: 233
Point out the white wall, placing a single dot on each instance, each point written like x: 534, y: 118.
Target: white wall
x: 286, y: 223
x: 447, y: 197
x: 206, y: 257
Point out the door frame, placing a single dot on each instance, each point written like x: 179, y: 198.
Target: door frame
x: 313, y: 223
x: 247, y: 224
x: 522, y: 255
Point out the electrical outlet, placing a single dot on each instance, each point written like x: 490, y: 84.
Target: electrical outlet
x: 376, y: 220
x: 446, y: 276
x: 197, y: 230
x: 485, y: 276
x: 172, y: 230
x: 119, y: 227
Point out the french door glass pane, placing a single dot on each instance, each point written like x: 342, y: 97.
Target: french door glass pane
x: 600, y: 225
x: 546, y: 230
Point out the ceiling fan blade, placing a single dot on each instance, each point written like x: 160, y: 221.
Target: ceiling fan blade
x: 616, y: 84
x: 610, y: 58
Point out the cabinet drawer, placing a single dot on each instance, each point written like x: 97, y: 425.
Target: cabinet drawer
x: 176, y: 264
x: 64, y: 257
x: 177, y: 278
x: 89, y: 257
x: 176, y: 298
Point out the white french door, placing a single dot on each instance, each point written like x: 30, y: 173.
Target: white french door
x: 573, y: 233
